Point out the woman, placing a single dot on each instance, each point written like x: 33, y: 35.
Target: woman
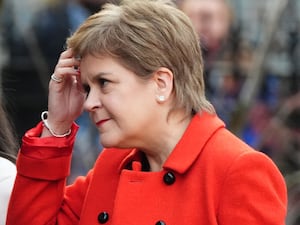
x: 137, y: 69
x: 8, y: 149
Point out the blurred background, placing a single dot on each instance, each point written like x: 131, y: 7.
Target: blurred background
x: 250, y: 48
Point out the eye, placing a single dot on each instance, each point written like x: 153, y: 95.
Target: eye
x: 103, y: 82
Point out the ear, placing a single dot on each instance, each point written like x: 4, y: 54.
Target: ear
x: 163, y: 79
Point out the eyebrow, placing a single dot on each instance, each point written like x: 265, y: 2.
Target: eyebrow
x: 97, y: 75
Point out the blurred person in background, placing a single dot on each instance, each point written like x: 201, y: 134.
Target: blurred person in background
x: 8, y: 151
x: 212, y: 20
x: 219, y: 38
x: 168, y: 160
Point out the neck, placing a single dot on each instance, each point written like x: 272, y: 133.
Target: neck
x: 166, y: 140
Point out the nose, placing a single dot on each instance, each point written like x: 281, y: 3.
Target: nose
x: 92, y: 101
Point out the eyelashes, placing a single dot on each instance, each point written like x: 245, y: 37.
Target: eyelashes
x: 103, y: 83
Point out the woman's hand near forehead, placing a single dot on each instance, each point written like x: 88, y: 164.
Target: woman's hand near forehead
x: 66, y: 96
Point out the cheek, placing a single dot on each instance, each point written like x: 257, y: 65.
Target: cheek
x: 130, y: 105
x: 116, y: 106
x: 124, y: 111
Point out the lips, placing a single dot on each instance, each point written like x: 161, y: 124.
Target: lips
x: 101, y: 122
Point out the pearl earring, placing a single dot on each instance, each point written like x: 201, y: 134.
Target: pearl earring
x: 161, y: 98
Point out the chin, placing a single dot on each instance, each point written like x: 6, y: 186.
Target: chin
x: 110, y: 144
x: 113, y: 140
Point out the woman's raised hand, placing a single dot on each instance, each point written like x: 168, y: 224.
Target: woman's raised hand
x: 66, y: 97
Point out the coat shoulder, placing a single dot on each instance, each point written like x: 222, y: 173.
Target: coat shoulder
x: 225, y: 150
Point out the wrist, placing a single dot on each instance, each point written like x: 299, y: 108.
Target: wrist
x: 56, y: 131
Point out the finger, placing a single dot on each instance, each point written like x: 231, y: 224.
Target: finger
x: 67, y: 53
x: 63, y: 73
x: 68, y: 62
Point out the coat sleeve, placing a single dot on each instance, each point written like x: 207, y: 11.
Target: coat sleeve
x: 39, y: 195
x: 254, y: 192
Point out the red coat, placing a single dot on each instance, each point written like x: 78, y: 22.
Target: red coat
x: 210, y: 178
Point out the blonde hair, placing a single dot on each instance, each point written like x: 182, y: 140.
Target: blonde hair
x: 144, y: 36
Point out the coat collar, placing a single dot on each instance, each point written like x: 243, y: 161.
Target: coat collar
x: 198, y: 133
x: 187, y: 150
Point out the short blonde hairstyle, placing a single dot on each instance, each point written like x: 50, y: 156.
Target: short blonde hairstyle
x: 144, y: 35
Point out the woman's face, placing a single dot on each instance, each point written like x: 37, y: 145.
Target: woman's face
x: 121, y: 105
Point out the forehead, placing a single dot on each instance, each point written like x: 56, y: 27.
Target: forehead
x: 92, y: 63
x: 92, y: 66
